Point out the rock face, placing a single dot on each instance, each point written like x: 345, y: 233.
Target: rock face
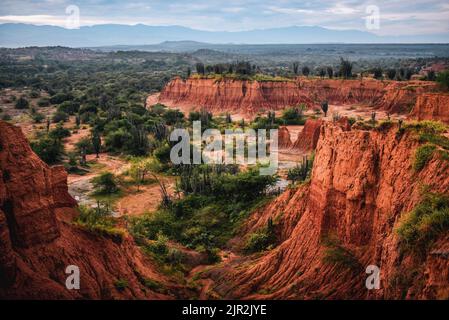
x: 308, y: 137
x: 284, y: 140
x: 431, y: 107
x: 362, y: 184
x: 37, y: 244
x: 251, y: 97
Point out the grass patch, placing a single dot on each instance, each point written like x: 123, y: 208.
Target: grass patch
x: 422, y: 155
x: 336, y: 254
x: 424, y: 224
x: 121, y: 284
x: 99, y: 221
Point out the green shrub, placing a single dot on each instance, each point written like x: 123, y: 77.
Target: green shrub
x: 121, y: 284
x: 422, y: 155
x: 59, y: 132
x: 99, y: 221
x: 22, y: 103
x: 258, y: 241
x: 425, y: 223
x: 336, y: 254
x: 105, y: 183
x: 43, y: 102
x: 59, y: 116
x: 50, y: 150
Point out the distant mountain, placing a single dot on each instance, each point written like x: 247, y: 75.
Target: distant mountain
x: 19, y: 35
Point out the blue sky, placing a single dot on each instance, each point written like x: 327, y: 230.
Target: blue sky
x: 397, y: 17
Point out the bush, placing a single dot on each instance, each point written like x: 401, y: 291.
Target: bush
x: 293, y: 115
x: 59, y: 116
x: 443, y: 79
x: 422, y: 155
x: 422, y: 226
x: 121, y: 284
x: 105, y: 183
x: 99, y: 221
x: 59, y: 132
x: 22, y: 103
x: 42, y: 103
x: 50, y: 150
x: 259, y: 241
x: 337, y: 255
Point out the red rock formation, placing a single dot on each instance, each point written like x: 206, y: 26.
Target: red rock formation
x: 308, y: 137
x: 37, y: 244
x: 284, y: 140
x: 250, y: 97
x: 431, y: 107
x: 362, y: 184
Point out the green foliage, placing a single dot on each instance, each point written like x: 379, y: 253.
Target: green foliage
x: 43, y: 102
x: 260, y: 240
x: 443, y: 79
x: 99, y: 221
x: 425, y: 223
x: 121, y: 284
x: 302, y: 171
x: 59, y: 116
x: 22, y: 103
x: 422, y: 155
x: 336, y: 254
x: 206, y: 217
x: 59, y: 132
x: 50, y: 150
x: 346, y: 68
x: 105, y: 183
x: 294, y: 115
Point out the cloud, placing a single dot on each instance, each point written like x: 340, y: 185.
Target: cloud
x: 397, y: 16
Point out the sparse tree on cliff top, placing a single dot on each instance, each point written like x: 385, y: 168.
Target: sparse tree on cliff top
x: 330, y: 72
x: 325, y: 107
x: 345, y: 68
x: 295, y: 68
x: 306, y: 71
x: 200, y: 68
x: 391, y: 74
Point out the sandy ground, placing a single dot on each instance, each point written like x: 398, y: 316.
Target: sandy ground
x: 147, y: 199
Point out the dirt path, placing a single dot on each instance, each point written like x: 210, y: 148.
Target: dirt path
x: 147, y: 199
x: 80, y: 186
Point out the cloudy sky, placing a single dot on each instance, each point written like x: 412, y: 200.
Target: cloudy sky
x: 398, y: 17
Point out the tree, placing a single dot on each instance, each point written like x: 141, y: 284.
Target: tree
x: 377, y: 73
x: 431, y: 75
x: 105, y: 183
x: 189, y: 72
x: 345, y: 68
x: 295, y: 68
x: 96, y: 142
x: 200, y: 68
x: 22, y: 103
x: 443, y: 79
x: 325, y: 107
x: 306, y: 71
x: 140, y: 168
x: 330, y: 72
x: 48, y: 149
x: 322, y: 73
x: 59, y: 116
x: 391, y: 74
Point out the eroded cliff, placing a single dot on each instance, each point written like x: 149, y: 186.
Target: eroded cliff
x: 38, y: 241
x: 251, y: 97
x: 361, y: 186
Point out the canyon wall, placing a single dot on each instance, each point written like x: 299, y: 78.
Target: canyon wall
x: 251, y: 97
x: 362, y: 184
x: 38, y: 240
x: 431, y: 106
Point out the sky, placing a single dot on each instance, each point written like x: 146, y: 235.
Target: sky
x: 398, y: 17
